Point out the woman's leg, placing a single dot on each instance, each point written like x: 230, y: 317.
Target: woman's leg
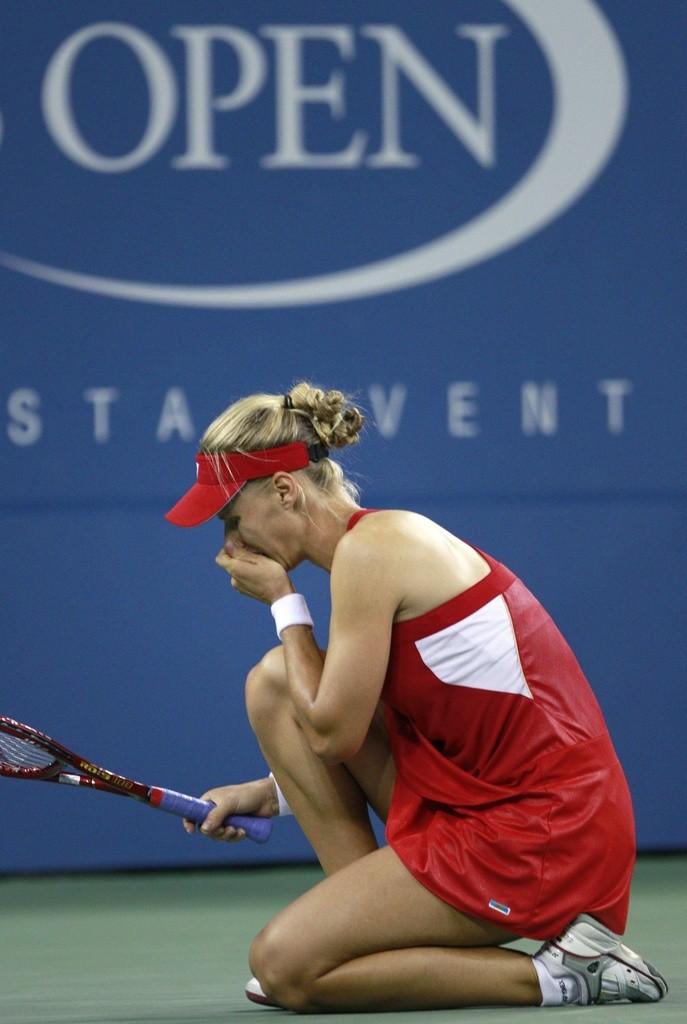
x: 329, y: 801
x: 371, y: 937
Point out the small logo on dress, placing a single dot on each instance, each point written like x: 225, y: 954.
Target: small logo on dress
x: 501, y: 907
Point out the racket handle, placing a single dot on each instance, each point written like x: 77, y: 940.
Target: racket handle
x: 257, y: 829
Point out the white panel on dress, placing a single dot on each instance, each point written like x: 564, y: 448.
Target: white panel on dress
x: 480, y: 651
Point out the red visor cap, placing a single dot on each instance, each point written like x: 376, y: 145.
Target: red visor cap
x: 220, y: 477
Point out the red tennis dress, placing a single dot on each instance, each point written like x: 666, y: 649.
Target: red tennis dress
x: 510, y: 802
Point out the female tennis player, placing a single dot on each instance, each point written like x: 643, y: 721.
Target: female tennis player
x: 448, y: 702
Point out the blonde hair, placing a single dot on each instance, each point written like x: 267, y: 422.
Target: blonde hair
x: 305, y: 413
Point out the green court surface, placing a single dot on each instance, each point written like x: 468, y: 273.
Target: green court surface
x: 171, y: 948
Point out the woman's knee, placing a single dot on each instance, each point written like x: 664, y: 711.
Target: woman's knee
x: 275, y: 963
x: 266, y: 686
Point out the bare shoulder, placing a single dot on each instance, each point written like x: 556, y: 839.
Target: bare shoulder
x: 380, y: 539
x: 393, y: 530
x: 368, y: 560
x: 411, y: 557
x: 379, y: 531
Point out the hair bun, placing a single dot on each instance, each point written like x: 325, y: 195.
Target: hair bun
x: 335, y: 421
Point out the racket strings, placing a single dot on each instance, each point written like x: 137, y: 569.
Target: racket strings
x: 17, y: 753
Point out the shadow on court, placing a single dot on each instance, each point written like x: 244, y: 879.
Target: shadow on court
x: 171, y: 948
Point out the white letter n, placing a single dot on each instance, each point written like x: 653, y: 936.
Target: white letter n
x: 539, y: 408
x: 399, y: 54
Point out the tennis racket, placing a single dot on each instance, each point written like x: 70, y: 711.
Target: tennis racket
x: 26, y: 753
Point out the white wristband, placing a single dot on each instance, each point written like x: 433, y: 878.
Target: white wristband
x: 284, y: 809
x: 290, y: 610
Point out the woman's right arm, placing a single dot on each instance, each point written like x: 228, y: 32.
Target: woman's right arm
x: 258, y: 798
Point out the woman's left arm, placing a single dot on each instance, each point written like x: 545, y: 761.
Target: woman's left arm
x: 335, y: 699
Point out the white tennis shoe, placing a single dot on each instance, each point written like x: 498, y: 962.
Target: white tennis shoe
x: 256, y: 995
x: 606, y: 969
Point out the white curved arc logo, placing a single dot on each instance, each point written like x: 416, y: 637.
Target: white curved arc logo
x: 592, y: 94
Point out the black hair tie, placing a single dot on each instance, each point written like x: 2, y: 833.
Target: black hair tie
x: 318, y: 451
x: 288, y: 402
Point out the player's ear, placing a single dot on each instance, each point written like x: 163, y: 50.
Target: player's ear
x: 286, y: 490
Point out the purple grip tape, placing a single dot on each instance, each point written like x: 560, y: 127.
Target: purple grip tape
x: 257, y: 829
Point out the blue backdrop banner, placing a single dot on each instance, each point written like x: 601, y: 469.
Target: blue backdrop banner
x: 467, y: 213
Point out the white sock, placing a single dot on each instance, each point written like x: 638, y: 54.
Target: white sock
x: 556, y: 991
